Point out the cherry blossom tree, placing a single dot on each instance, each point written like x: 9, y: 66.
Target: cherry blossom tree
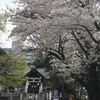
x: 68, y: 31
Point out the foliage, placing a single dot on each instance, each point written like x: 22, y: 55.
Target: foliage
x: 68, y: 31
x: 2, y: 23
x: 12, y: 71
x: 43, y: 62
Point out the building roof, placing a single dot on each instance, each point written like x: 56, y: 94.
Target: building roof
x: 35, y: 73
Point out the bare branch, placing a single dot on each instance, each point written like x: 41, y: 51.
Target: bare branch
x: 88, y: 31
x: 79, y: 43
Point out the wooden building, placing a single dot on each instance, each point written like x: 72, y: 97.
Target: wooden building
x: 35, y: 82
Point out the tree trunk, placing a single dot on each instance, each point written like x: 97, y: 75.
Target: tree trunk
x: 90, y: 94
x: 93, y: 92
x: 93, y: 83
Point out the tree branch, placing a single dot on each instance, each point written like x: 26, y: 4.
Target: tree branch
x: 88, y: 31
x: 56, y: 53
x: 79, y: 43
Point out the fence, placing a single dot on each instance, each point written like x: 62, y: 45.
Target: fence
x: 7, y: 96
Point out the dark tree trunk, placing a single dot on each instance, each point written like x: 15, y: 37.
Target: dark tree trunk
x: 94, y: 93
x: 93, y: 84
x: 90, y: 95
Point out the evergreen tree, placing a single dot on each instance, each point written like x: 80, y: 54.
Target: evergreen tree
x: 12, y: 70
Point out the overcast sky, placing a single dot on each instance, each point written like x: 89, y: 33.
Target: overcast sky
x: 4, y: 37
x: 3, y: 3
